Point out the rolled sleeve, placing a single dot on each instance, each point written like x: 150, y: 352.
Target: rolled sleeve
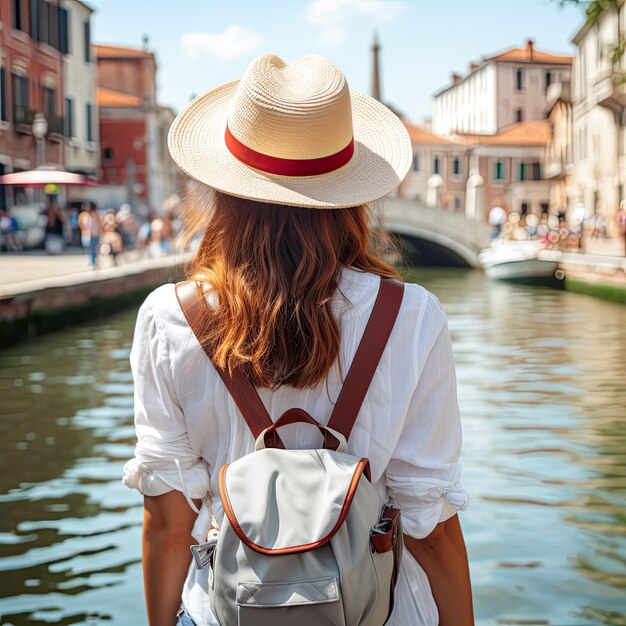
x: 423, y: 477
x: 164, y: 459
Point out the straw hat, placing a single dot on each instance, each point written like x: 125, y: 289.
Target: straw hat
x: 292, y: 134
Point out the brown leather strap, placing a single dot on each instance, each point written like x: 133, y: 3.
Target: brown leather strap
x: 195, y: 308
x: 360, y: 374
x: 365, y: 361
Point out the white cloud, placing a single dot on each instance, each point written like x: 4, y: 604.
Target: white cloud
x: 330, y: 16
x: 236, y: 41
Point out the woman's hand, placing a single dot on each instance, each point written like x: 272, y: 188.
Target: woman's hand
x: 443, y: 557
x: 167, y: 524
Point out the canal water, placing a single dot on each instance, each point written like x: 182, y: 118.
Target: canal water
x: 542, y: 388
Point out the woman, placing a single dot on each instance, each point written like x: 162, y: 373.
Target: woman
x: 91, y: 228
x: 287, y: 159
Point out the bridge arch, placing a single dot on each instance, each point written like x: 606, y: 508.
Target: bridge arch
x: 424, y: 247
x: 434, y: 236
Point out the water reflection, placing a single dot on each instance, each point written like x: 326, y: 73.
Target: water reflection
x: 541, y: 385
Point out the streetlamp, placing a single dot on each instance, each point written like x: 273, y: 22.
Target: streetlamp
x: 435, y: 182
x: 473, y: 208
x: 40, y: 130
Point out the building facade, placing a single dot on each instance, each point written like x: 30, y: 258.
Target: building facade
x: 506, y: 169
x: 559, y: 157
x: 500, y: 90
x: 438, y: 172
x: 598, y: 124
x: 136, y: 165
x: 33, y: 38
x: 81, y: 128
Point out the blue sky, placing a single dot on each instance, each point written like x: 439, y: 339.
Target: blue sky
x: 203, y: 43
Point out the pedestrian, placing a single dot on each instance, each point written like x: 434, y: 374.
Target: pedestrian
x: 579, y: 219
x: 497, y: 218
x: 127, y: 226
x: 91, y: 229
x: 9, y: 232
x: 55, y: 228
x: 112, y: 243
x: 280, y: 293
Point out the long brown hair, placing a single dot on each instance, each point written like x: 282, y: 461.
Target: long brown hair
x: 274, y: 270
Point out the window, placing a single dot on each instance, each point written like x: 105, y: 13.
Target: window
x: 53, y: 26
x: 3, y: 195
x: 107, y: 154
x: 530, y: 171
x: 68, y: 121
x: 519, y: 115
x: 64, y: 36
x: 436, y: 165
x: 17, y: 14
x: 545, y: 208
x: 456, y: 166
x: 519, y: 80
x: 87, y: 41
x: 3, y: 95
x: 89, y: 110
x: 499, y: 171
x: 44, y: 10
x: 34, y: 19
x: 49, y: 101
x: 536, y: 171
x: 416, y: 162
x: 548, y: 79
x: 457, y: 203
x: 20, y: 90
x: 524, y: 208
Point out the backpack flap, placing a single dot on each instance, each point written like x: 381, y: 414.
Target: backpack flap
x: 289, y: 501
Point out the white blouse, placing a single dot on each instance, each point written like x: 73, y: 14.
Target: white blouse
x: 409, y: 427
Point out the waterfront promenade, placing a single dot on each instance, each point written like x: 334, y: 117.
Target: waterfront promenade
x: 39, y: 293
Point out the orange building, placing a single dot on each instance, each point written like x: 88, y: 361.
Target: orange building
x: 474, y: 172
x: 33, y: 37
x: 136, y: 166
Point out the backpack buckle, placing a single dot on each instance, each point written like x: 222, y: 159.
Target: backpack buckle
x: 203, y: 552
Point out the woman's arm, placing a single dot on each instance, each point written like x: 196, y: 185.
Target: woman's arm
x: 443, y: 557
x: 167, y: 524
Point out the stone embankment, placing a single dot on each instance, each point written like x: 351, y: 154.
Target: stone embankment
x: 40, y: 293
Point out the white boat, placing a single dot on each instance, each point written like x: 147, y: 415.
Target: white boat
x: 520, y: 261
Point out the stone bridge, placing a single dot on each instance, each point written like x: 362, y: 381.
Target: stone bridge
x: 434, y: 236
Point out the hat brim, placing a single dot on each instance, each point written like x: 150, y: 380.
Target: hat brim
x: 382, y: 156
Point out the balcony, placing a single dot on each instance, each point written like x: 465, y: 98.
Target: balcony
x: 610, y: 90
x: 23, y: 119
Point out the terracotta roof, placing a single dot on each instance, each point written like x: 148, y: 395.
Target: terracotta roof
x: 530, y: 54
x: 116, y: 52
x: 530, y: 133
x: 111, y: 98
x: 420, y: 135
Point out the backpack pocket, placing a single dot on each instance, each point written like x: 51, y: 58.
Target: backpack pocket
x: 314, y: 602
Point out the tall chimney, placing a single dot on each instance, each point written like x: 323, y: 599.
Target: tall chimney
x: 375, y: 68
x: 530, y: 48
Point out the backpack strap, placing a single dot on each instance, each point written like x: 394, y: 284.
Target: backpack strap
x: 368, y: 354
x: 360, y: 374
x: 195, y: 308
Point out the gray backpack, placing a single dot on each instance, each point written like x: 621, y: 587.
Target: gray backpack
x: 306, y: 540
